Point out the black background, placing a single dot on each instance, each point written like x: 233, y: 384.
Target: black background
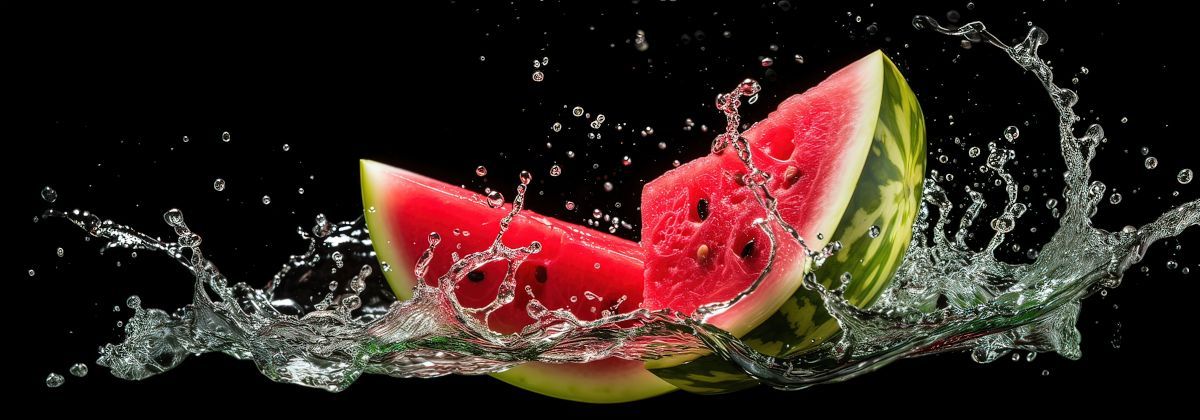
x: 103, y: 98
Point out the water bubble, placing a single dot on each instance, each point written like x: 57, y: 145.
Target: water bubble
x: 555, y: 170
x: 59, y: 252
x: 570, y: 154
x: 626, y: 161
x: 1011, y: 133
x: 1046, y: 372
x: 1115, y: 198
x: 767, y: 61
x: 481, y: 171
x: 1003, y: 224
x: 556, y: 127
x: 675, y: 163
x: 133, y: 302
x: 186, y: 139
x: 79, y: 370
x: 54, y: 380
x: 495, y: 199
x: 873, y: 231
x: 662, y: 145
x: 943, y: 158
x: 116, y: 308
x: 219, y: 184
x: 225, y: 137
x: 1171, y: 265
x: 286, y: 147
x: 799, y: 59
x: 570, y: 205
x: 608, y: 187
x: 32, y: 273
x: 1124, y: 120
x: 49, y: 194
x: 577, y: 111
x: 973, y: 152
x: 1184, y: 176
x: 1151, y: 162
x: 1145, y: 150
x: 266, y: 200
x: 596, y: 213
x: 300, y: 190
x: 538, y: 76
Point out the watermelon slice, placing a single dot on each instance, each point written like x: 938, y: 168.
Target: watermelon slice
x: 577, y: 269
x: 847, y: 161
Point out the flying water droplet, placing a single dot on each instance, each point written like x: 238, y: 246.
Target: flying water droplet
x: 54, y: 380
x: 577, y: 111
x: 538, y: 76
x: 495, y: 199
x: 481, y: 171
x: 49, y: 194
x: 79, y: 370
x: 266, y: 200
x: 570, y: 205
x: 873, y: 231
x: 225, y: 137
x: 1184, y: 176
x: 1011, y: 133
x: 608, y: 187
x: 555, y: 170
x: 219, y: 184
x: 1151, y: 162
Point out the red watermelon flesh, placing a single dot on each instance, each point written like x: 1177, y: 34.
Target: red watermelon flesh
x: 697, y: 219
x: 577, y: 269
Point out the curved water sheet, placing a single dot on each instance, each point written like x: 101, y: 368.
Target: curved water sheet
x: 326, y: 318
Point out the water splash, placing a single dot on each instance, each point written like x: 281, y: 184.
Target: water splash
x: 316, y: 326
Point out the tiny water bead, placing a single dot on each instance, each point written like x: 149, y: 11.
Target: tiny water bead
x: 186, y: 139
x: 266, y: 200
x: 626, y: 161
x: 480, y: 171
x: 556, y: 127
x: 577, y: 111
x: 662, y: 145
x: 49, y: 194
x: 538, y: 76
x: 1124, y: 120
x: 570, y: 154
x: 525, y: 177
x: 596, y: 213
x: 1151, y: 162
x: 1145, y: 150
x: 219, y: 184
x: 225, y: 137
x: 570, y: 205
x: 59, y: 252
x: 286, y: 147
x: 133, y: 302
x: 798, y: 58
x: 495, y: 199
x: 1115, y: 198
x: 1011, y: 133
x: 608, y: 187
x: 300, y: 190
x: 973, y: 152
x: 1184, y: 176
x: 78, y: 370
x: 54, y: 380
x: 873, y: 231
x: 555, y: 170
x: 767, y: 61
x: 32, y: 273
x: 1171, y: 265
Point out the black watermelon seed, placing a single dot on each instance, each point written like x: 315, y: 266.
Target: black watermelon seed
x: 475, y: 276
x: 539, y: 274
x: 748, y: 249
x: 702, y: 209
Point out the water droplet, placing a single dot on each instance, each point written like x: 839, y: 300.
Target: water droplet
x: 596, y: 213
x: 49, y: 194
x: 286, y: 147
x: 54, y: 380
x: 186, y: 139
x: 1124, y: 120
x: 799, y: 59
x: 596, y: 266
x: 1184, y: 176
x: 351, y: 302
x: 1151, y: 162
x: 873, y: 231
x: 1051, y: 203
x: 266, y: 200
x: 608, y: 187
x: 767, y: 61
x: 495, y: 199
x: 662, y: 145
x: 1145, y: 150
x: 371, y: 209
x: 556, y: 127
x: 1115, y: 198
x: 943, y: 158
x: 749, y: 87
x: 300, y: 190
x: 538, y: 76
x: 570, y: 154
x: 675, y: 163
x: 219, y: 184
x: 79, y: 370
x: 225, y: 137
x: 1171, y: 265
x: 577, y: 111
x: 973, y: 152
x: 1185, y: 270
x: 1003, y: 224
x: 555, y: 170
x: 481, y: 171
x: 626, y: 161
x: 1011, y: 133
x: 32, y: 273
x: 1046, y: 372
x: 570, y: 205
x: 525, y: 177
x: 116, y: 308
x: 133, y: 302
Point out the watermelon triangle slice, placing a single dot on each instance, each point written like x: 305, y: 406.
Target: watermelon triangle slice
x: 847, y: 163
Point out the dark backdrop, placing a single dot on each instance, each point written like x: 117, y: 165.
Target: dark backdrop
x: 104, y: 96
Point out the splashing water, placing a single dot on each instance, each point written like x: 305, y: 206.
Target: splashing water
x: 318, y: 327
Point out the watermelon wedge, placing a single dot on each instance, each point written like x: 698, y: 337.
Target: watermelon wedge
x: 577, y: 268
x: 847, y: 161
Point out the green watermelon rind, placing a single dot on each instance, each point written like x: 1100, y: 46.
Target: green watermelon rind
x: 887, y: 195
